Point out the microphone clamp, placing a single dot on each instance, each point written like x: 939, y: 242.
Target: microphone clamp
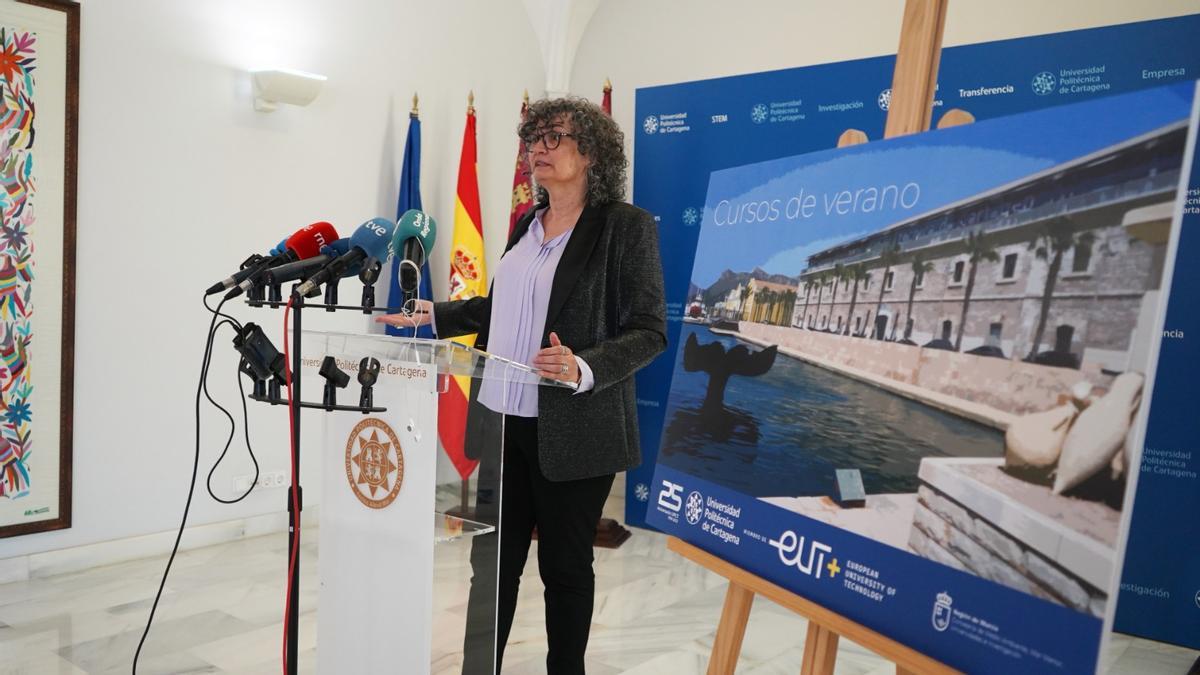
x: 335, y: 378
x: 368, y: 374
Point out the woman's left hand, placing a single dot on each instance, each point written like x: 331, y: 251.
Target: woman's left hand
x: 557, y: 362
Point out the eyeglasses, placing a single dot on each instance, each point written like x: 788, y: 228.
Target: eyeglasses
x: 550, y: 139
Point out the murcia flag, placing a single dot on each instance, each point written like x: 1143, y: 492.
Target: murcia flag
x: 522, y: 192
x: 468, y: 279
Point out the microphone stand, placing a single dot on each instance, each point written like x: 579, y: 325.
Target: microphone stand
x: 295, y: 493
x: 296, y: 503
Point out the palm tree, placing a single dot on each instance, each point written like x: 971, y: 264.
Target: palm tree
x: 808, y: 286
x: 1053, y: 238
x: 760, y: 298
x: 919, y: 269
x: 856, y: 273
x: 744, y: 293
x: 820, y: 280
x: 789, y: 307
x: 889, y: 257
x: 979, y: 248
x: 836, y: 276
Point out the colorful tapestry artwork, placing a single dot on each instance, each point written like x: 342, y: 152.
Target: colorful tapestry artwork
x: 17, y: 69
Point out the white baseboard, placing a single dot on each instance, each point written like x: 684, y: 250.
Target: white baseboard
x: 77, y: 558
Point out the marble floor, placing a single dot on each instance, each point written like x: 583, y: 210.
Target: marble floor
x: 221, y: 613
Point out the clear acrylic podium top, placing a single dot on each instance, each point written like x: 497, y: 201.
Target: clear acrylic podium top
x: 446, y: 356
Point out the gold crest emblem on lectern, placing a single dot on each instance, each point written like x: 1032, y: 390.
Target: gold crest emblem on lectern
x: 374, y: 463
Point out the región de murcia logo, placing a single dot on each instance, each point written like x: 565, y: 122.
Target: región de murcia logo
x: 374, y: 463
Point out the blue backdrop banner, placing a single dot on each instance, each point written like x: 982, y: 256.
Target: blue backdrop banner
x: 687, y: 131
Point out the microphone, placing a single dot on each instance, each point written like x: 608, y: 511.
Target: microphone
x: 412, y: 242
x: 280, y: 248
x: 250, y: 266
x: 370, y: 240
x: 296, y: 270
x: 302, y: 269
x: 304, y: 243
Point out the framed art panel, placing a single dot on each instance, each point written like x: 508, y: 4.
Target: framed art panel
x: 39, y: 97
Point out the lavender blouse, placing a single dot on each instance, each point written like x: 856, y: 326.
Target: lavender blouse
x: 520, y: 299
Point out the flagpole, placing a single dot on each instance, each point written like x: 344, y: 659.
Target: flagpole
x: 609, y: 532
x: 465, y: 488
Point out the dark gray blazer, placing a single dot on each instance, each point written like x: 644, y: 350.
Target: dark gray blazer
x: 606, y: 305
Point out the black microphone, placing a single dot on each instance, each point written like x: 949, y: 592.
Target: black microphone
x: 297, y: 270
x: 252, y: 265
x: 304, y: 243
x: 370, y: 240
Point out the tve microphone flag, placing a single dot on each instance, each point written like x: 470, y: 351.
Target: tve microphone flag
x: 410, y: 198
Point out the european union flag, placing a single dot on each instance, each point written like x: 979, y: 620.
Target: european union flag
x: 410, y: 198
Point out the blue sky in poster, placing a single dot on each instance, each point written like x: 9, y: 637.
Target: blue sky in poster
x: 775, y: 214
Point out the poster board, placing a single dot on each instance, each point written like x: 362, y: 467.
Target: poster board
x: 988, y: 370
x: 718, y: 123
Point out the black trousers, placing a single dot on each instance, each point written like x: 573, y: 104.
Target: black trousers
x: 565, y: 515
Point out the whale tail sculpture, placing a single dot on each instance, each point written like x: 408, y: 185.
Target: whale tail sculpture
x: 720, y: 364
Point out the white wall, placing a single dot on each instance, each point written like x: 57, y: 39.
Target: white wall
x: 641, y: 44
x: 179, y: 179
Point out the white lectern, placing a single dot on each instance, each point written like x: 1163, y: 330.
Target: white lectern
x: 379, y: 527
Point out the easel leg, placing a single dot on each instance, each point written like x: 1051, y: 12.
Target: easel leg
x: 820, y: 651
x: 730, y: 631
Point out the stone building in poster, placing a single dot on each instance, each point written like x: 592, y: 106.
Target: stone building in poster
x: 1063, y: 265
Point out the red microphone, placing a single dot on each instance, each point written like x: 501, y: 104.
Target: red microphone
x: 303, y: 244
x: 308, y: 241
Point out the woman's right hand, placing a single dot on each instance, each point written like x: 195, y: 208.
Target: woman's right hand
x: 421, y: 315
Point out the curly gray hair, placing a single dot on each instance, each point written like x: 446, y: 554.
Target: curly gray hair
x: 599, y: 139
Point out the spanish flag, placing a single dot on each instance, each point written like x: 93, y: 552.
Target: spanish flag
x: 468, y: 278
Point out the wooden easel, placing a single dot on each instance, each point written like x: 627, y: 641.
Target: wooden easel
x: 825, y: 627
x: 914, y: 83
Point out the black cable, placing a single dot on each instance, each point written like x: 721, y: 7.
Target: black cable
x: 232, y: 424
x: 237, y: 324
x: 191, y: 487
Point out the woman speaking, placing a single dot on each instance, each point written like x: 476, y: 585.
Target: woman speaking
x: 578, y: 294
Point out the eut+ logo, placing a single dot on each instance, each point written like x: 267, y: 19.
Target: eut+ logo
x: 808, y: 559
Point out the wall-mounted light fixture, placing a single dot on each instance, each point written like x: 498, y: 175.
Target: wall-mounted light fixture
x: 272, y: 87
